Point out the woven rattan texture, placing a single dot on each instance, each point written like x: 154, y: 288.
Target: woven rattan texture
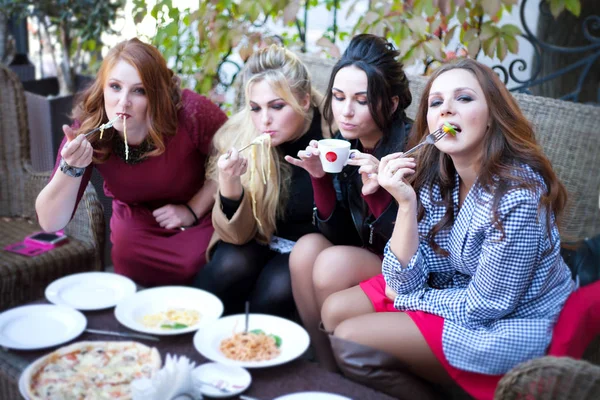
x: 23, y: 279
x: 551, y: 378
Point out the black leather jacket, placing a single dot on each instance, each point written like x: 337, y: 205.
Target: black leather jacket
x: 351, y: 222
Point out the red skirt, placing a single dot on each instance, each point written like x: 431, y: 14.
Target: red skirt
x: 577, y: 325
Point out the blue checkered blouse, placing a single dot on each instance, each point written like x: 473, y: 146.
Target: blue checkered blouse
x: 499, y: 298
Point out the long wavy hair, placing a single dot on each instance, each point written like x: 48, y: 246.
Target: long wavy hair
x: 289, y: 79
x: 509, y: 143
x: 385, y: 79
x: 162, y: 89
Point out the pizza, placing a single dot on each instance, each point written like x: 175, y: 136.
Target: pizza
x: 91, y: 370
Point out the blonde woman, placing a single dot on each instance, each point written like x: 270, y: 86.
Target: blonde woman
x: 263, y: 204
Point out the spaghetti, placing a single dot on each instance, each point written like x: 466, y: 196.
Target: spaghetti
x: 264, y: 141
x: 251, y: 346
x: 125, y: 137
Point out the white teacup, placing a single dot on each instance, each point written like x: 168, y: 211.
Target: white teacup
x: 334, y: 154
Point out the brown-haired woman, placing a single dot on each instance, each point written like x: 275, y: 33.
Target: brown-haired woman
x: 152, y: 161
x: 474, y: 262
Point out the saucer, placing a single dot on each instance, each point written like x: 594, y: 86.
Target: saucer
x: 220, y: 380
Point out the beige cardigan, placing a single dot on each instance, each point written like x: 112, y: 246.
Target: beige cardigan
x: 240, y: 229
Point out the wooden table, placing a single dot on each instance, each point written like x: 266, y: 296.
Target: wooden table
x: 267, y: 383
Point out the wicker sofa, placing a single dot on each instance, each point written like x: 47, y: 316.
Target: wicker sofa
x: 23, y: 279
x: 568, y: 134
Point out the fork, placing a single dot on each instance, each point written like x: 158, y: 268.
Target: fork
x: 107, y: 125
x: 257, y: 140
x: 432, y: 138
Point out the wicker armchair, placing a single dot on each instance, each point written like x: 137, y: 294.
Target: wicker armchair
x: 24, y: 279
x: 551, y: 378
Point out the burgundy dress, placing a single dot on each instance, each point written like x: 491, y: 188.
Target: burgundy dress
x: 142, y: 250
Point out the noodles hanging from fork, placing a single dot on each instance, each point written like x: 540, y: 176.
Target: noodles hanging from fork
x: 264, y: 142
x: 125, y: 137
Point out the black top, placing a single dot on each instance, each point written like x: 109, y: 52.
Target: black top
x: 297, y: 220
x: 351, y: 222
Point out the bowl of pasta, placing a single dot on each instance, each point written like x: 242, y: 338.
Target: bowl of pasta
x: 169, y: 310
x: 269, y: 341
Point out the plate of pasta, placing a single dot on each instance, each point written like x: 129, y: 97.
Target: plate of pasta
x: 270, y: 341
x: 169, y: 310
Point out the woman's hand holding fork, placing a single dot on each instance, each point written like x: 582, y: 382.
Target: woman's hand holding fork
x: 393, y: 171
x: 231, y: 166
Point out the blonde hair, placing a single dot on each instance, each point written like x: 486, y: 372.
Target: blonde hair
x: 290, y: 80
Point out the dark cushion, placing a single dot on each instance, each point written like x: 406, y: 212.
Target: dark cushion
x: 584, y: 260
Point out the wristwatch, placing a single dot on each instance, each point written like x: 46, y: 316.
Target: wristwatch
x: 71, y: 171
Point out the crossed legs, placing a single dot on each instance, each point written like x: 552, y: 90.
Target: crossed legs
x: 349, y: 314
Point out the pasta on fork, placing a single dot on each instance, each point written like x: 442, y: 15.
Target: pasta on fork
x: 264, y: 143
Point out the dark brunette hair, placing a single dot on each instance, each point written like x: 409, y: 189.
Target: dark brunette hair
x: 385, y: 79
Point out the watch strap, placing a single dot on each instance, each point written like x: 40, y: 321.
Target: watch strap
x: 75, y: 172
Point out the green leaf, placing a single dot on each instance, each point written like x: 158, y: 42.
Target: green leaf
x: 511, y: 30
x: 473, y: 48
x: 257, y: 331
x: 155, y: 10
x: 556, y: 7
x: 491, y: 7
x: 429, y: 8
x: 501, y: 49
x: 512, y: 43
x: 469, y: 35
x: 418, y: 25
x: 277, y: 340
x: 433, y: 47
x: 488, y: 31
x: 489, y: 46
x: 574, y: 6
x: 449, y: 35
x: 461, y: 15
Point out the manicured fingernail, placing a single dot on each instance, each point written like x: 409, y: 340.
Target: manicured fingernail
x: 352, y: 155
x: 370, y: 175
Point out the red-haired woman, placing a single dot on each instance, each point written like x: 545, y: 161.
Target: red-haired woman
x: 474, y: 263
x: 152, y: 161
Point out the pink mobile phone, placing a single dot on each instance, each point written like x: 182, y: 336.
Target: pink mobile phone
x: 38, y: 243
x: 47, y: 239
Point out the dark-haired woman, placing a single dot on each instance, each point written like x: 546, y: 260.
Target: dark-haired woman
x: 367, y: 95
x: 473, y: 281
x: 152, y: 161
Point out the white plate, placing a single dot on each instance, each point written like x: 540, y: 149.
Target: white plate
x: 228, y: 377
x: 294, y: 339
x: 90, y: 290
x: 312, y: 396
x: 131, y: 311
x: 39, y: 326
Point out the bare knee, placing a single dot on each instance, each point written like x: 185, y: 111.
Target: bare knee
x: 330, y: 275
x: 333, y: 312
x: 304, y: 253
